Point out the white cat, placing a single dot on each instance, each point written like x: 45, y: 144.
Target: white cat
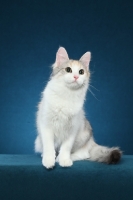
x: 62, y: 126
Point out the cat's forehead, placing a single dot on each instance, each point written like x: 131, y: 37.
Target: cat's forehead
x: 75, y: 64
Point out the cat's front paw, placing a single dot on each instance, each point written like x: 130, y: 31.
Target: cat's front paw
x: 65, y: 162
x: 48, y: 161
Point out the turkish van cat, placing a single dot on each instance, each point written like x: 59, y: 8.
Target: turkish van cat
x: 64, y: 133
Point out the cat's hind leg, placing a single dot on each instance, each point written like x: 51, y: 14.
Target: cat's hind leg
x: 38, y: 145
x: 81, y: 154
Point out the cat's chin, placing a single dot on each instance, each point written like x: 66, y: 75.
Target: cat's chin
x: 74, y: 85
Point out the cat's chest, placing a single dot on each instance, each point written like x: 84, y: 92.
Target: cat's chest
x: 61, y: 120
x: 61, y: 113
x: 65, y: 106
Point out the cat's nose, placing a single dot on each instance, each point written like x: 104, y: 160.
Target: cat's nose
x: 76, y: 77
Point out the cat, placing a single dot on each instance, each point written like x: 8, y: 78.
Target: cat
x: 64, y: 133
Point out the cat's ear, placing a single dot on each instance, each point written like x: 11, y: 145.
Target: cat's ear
x: 61, y: 57
x: 85, y: 59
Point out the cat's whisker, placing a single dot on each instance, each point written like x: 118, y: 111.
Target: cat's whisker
x: 93, y: 94
x: 94, y: 87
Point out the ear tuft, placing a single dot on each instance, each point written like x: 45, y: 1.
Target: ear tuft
x: 61, y: 56
x: 85, y: 59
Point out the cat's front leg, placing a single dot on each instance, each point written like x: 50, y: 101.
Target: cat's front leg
x: 64, y: 158
x: 48, y: 155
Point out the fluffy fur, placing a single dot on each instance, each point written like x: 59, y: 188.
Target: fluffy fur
x: 64, y: 133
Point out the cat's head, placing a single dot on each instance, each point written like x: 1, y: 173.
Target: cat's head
x: 74, y: 74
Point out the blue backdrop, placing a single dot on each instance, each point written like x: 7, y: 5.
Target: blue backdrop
x: 31, y: 32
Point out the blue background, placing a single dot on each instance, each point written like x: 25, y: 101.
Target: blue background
x: 31, y: 32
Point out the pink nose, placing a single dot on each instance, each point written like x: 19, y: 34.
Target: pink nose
x: 76, y: 77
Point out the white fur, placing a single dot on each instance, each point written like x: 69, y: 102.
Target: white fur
x: 61, y: 123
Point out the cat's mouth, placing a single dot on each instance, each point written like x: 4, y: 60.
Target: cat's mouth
x: 75, y: 84
x: 75, y: 81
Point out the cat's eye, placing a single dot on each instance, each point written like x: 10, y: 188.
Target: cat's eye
x: 81, y: 71
x: 68, y: 69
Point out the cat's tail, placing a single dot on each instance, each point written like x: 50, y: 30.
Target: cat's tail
x: 103, y: 154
